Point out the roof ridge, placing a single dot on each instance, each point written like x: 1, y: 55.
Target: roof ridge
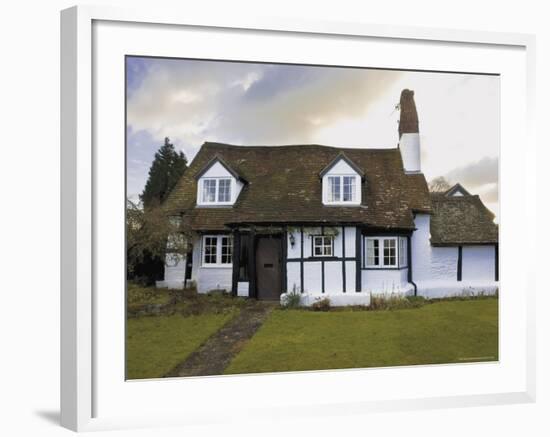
x: 215, y: 144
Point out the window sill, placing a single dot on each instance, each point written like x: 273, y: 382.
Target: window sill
x: 385, y: 268
x: 216, y: 266
x: 214, y: 205
x: 342, y: 203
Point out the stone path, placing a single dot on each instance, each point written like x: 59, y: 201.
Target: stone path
x: 215, y: 355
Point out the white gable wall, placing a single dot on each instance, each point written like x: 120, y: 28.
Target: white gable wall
x: 218, y: 171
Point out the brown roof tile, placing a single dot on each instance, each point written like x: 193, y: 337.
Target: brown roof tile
x: 461, y: 220
x: 284, y: 187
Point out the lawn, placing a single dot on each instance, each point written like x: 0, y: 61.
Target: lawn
x: 138, y: 296
x: 155, y: 345
x: 439, y: 332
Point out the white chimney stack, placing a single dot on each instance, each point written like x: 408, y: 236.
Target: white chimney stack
x: 409, y: 138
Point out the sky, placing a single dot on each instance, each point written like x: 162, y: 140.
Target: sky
x: 193, y: 101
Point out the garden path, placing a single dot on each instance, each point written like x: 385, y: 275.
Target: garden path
x: 217, y: 352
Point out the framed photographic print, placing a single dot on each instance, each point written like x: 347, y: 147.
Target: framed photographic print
x: 252, y: 209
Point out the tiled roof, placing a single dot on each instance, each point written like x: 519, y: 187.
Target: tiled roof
x: 283, y: 186
x: 461, y: 220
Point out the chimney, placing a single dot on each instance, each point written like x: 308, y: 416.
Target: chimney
x: 409, y: 139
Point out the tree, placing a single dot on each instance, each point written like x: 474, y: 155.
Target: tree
x: 439, y: 184
x: 166, y: 169
x: 150, y: 234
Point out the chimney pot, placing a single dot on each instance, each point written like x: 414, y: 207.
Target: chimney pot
x: 408, y: 121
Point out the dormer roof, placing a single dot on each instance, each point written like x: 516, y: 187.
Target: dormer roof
x: 342, y: 157
x: 219, y: 159
x: 456, y: 190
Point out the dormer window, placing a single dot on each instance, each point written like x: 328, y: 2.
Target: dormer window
x: 218, y: 184
x: 341, y: 181
x: 216, y: 190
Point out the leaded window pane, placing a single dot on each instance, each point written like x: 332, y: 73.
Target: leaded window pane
x: 372, y: 252
x: 334, y: 188
x: 224, y: 190
x: 349, y: 188
x: 389, y: 252
x: 210, y: 250
x: 227, y: 250
x: 209, y: 190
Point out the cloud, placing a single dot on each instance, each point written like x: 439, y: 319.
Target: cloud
x: 476, y: 174
x: 195, y: 101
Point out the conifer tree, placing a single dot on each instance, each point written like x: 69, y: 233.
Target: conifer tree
x: 166, y: 169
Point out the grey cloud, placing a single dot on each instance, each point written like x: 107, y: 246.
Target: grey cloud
x: 476, y: 174
x: 194, y: 101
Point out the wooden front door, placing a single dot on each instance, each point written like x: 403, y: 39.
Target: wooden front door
x: 268, y: 267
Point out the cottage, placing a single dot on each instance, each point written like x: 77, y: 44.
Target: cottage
x: 321, y: 221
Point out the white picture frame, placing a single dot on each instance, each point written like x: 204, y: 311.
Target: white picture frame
x: 83, y: 370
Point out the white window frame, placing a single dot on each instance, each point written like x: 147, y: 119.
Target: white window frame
x: 219, y: 239
x: 327, y: 190
x: 323, y: 245
x: 381, y: 264
x: 200, y: 194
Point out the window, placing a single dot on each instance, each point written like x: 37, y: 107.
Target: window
x: 349, y: 189
x: 323, y: 245
x: 224, y: 191
x: 217, y: 250
x: 227, y: 246
x: 381, y: 251
x: 334, y: 188
x: 209, y: 190
x: 390, y: 252
x: 402, y: 252
x: 342, y: 189
x: 373, y: 258
x: 210, y: 250
x: 216, y: 190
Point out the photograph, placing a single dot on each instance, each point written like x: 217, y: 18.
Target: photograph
x: 292, y: 217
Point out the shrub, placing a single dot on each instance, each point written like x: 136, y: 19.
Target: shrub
x: 395, y: 301
x: 292, y: 299
x: 321, y: 305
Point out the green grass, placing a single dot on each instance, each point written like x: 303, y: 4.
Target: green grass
x: 155, y: 345
x: 138, y: 296
x: 440, y: 332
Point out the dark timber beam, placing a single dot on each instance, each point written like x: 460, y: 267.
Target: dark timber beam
x: 236, y: 261
x: 459, y: 265
x: 358, y: 256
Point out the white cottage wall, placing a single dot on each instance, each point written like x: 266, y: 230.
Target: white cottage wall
x: 312, y: 277
x: 435, y: 268
x: 209, y: 278
x: 333, y: 277
x: 174, y: 275
x: 444, y: 263
x: 385, y: 281
x: 421, y: 248
x: 293, y: 277
x: 478, y: 263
